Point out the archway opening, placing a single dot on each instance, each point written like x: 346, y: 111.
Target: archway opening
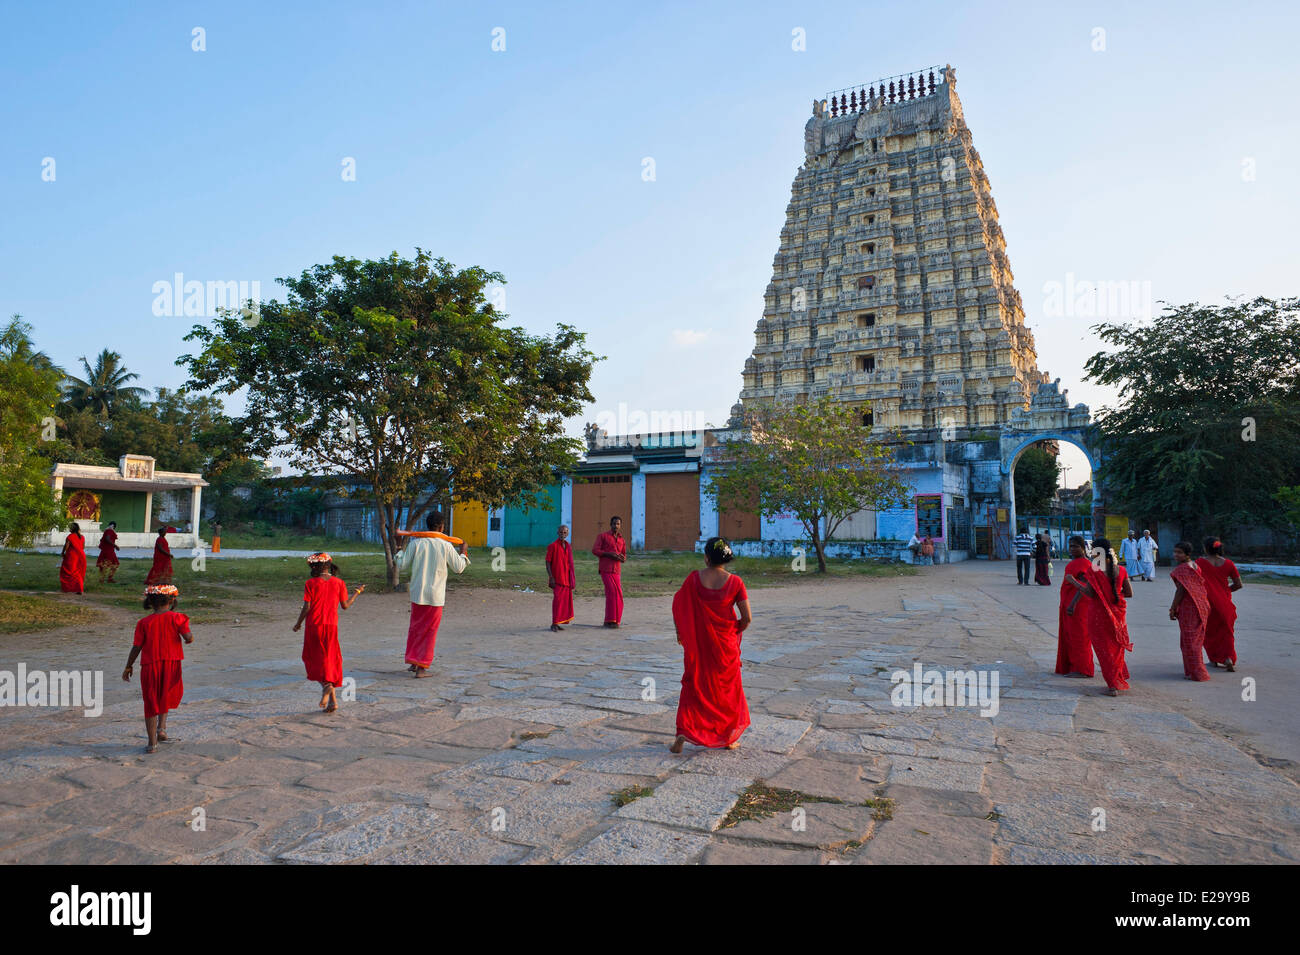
x: 1051, y: 485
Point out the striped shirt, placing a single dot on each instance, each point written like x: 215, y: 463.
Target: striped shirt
x: 1024, y: 545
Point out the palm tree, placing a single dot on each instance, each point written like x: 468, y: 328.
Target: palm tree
x: 16, y: 340
x: 104, y: 387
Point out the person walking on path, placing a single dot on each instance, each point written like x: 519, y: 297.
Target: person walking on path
x: 108, y: 562
x: 1042, y: 561
x: 72, y: 562
x: 1024, y: 556
x: 1222, y: 579
x: 561, y: 578
x: 711, y: 710
x: 324, y: 595
x: 428, y: 559
x: 611, y: 548
x: 157, y: 643
x: 161, y: 570
x: 1191, y: 608
x: 1128, y: 554
x: 1148, y: 551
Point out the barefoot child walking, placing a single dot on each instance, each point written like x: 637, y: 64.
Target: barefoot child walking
x: 323, y: 596
x: 157, y: 643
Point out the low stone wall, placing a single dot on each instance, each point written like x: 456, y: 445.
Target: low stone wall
x: 1282, y: 570
x: 853, y: 550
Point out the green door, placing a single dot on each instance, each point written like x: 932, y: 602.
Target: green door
x: 535, y: 527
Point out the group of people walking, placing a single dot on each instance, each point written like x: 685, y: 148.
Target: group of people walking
x: 1037, y: 549
x: 710, y: 612
x: 1092, y: 617
x: 72, y: 559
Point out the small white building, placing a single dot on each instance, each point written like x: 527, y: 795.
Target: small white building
x: 95, y: 496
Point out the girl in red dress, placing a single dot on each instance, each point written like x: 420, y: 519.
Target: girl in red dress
x: 1191, y: 608
x: 322, y: 598
x: 161, y: 571
x: 158, y: 645
x: 107, y: 562
x: 711, y: 710
x: 1222, y: 579
x: 72, y: 566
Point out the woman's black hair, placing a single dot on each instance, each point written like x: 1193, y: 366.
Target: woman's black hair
x: 1213, y: 546
x: 1082, y: 543
x: 152, y: 601
x: 1185, y: 547
x: 74, y: 528
x: 718, y: 552
x: 1104, y: 544
x: 318, y: 568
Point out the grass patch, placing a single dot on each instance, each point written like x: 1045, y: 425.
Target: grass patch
x: 30, y: 613
x: 273, y: 537
x: 1264, y: 578
x: 760, y: 801
x: 629, y: 794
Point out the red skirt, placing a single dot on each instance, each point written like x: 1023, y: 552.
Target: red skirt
x: 72, y: 573
x: 321, y: 654
x: 422, y: 634
x: 562, y: 605
x: 161, y: 687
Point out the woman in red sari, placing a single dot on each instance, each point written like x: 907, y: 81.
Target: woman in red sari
x: 324, y: 595
x: 1221, y: 579
x: 1074, y: 637
x: 1191, y: 608
x: 72, y: 566
x: 1042, y: 561
x: 161, y: 571
x: 107, y: 562
x: 1108, y: 617
x: 711, y: 710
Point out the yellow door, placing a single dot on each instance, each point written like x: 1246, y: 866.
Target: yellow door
x: 469, y: 521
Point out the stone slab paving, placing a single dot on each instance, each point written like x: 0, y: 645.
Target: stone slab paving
x: 512, y: 752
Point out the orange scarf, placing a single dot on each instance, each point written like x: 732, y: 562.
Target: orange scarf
x: 436, y: 534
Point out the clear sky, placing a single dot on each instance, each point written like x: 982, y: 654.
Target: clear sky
x: 1163, y: 151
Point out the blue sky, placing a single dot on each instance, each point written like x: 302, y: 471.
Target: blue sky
x: 1169, y: 157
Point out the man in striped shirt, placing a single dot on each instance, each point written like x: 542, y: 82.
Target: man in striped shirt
x: 1024, y: 555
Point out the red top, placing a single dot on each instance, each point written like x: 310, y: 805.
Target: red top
x: 324, y: 594
x: 605, y: 543
x: 1227, y: 570
x: 108, y: 541
x: 159, y: 636
x: 559, y: 560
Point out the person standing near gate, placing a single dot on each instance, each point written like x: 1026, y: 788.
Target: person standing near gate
x: 1148, y: 550
x: 1024, y: 556
x: 1128, y: 553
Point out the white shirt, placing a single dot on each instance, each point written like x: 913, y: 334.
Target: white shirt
x: 428, y: 559
x: 1147, y: 548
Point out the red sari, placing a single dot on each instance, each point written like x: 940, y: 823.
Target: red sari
x: 1193, y: 613
x: 1074, y: 631
x: 1220, y: 639
x: 72, y: 570
x: 559, y: 561
x: 711, y: 710
x: 320, y: 643
x: 1108, y: 626
x: 107, y: 549
x: 161, y: 571
x: 159, y: 638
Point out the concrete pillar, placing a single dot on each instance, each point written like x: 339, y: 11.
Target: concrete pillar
x: 636, y: 533
x: 196, y: 512
x: 148, y: 511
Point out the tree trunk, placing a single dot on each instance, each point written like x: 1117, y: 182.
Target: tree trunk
x: 387, y: 534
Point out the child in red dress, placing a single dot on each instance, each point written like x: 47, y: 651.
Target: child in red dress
x: 322, y: 598
x: 157, y: 643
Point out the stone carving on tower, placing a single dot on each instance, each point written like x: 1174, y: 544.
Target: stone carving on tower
x: 891, y: 289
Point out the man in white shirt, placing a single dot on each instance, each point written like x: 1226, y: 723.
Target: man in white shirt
x: 1128, y: 553
x: 914, y: 545
x: 428, y: 558
x: 1147, y: 552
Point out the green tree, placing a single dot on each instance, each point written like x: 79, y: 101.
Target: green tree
x: 29, y: 389
x: 1036, y: 475
x: 1289, y: 499
x: 814, y: 461
x: 104, y: 388
x: 1207, y: 423
x: 400, y: 373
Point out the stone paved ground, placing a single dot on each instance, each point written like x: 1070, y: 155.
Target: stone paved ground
x: 511, y: 753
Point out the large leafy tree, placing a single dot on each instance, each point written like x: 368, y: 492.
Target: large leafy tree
x: 1036, y: 476
x: 29, y: 389
x: 815, y: 461
x: 399, y: 372
x: 104, y: 388
x: 1207, y: 425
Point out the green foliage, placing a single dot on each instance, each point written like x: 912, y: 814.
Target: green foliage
x: 1035, y: 480
x: 29, y: 389
x: 814, y: 461
x: 1207, y: 426
x: 104, y: 388
x: 398, y: 372
x: 1289, y: 498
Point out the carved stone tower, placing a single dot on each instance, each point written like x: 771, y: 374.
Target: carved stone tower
x: 891, y: 290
